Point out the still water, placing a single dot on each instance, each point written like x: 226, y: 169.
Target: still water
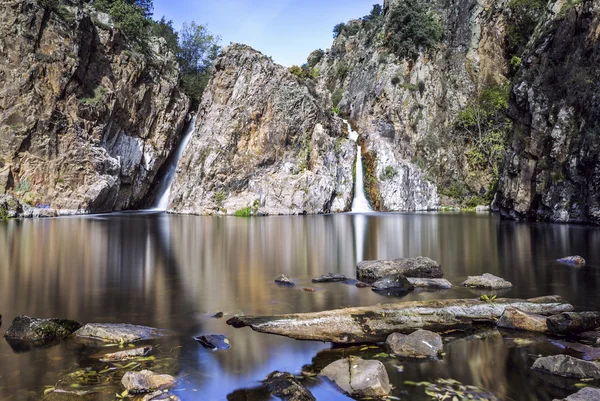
x: 174, y: 272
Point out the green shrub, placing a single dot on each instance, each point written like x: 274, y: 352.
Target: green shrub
x: 342, y: 71
x: 315, y: 73
x: 3, y: 214
x: 336, y: 97
x: 98, y: 96
x: 376, y: 12
x: 244, y: 212
x: 338, y: 29
x: 164, y: 29
x: 388, y: 173
x: 515, y: 62
x: 131, y: 17
x: 395, y: 80
x: 523, y: 16
x: 297, y: 71
x: 315, y: 57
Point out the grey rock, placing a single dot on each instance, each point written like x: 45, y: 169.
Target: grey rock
x: 592, y: 336
x: 36, y: 331
x: 330, y: 278
x: 214, y: 341
x: 160, y: 396
x: 396, y: 282
x: 123, y: 355
x: 573, y: 322
x: 59, y: 394
x: 433, y: 283
x: 358, y: 377
x: 285, y: 386
x: 419, y: 344
x: 118, y: 332
x: 567, y: 366
x: 421, y: 267
x: 488, y: 281
x: 147, y: 381
x: 284, y: 280
x: 514, y: 318
x: 585, y: 394
x: 572, y: 260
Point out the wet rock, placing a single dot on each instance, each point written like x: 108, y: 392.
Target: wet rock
x: 567, y: 366
x: 488, y: 281
x: 284, y: 386
x: 393, y: 282
x: 582, y: 351
x: 433, y: 283
x: 591, y: 336
x: 78, y: 395
x: 330, y: 278
x: 123, y: 355
x: 34, y: 331
x: 160, y: 396
x: 117, y: 332
x: 371, y: 270
x: 585, y: 394
x: 147, y: 381
x: 213, y: 341
x: 360, y: 284
x: 218, y: 315
x: 572, y: 260
x: 358, y: 377
x: 285, y: 281
x: 419, y: 344
x: 573, y: 322
x: 514, y: 318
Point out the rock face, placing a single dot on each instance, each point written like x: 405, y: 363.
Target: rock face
x: 419, y: 344
x: 552, y: 168
x: 146, y: 381
x: 117, y: 332
x: 284, y: 386
x: 420, y: 266
x: 585, y: 394
x: 34, y: 331
x: 86, y: 122
x: 567, y: 366
x: 265, y: 143
x: 488, y: 281
x: 514, y: 318
x: 358, y: 377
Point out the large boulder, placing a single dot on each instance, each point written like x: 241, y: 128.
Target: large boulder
x: 423, y: 267
x: 585, y: 394
x: 567, y: 366
x: 419, y: 344
x: 147, y: 381
x: 36, y: 331
x: 487, y: 281
x: 117, y: 332
x: 358, y: 377
x: 285, y: 386
x: 514, y: 318
x: 573, y: 322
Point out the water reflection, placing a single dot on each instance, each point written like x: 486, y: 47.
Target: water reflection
x: 174, y: 272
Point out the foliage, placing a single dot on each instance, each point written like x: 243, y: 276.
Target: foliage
x: 336, y: 97
x: 131, y: 17
x: 98, y: 95
x: 297, y: 71
x: 315, y: 73
x: 487, y: 298
x: 395, y: 80
x: 3, y: 213
x: 338, y: 29
x: 376, y: 12
x: 342, y: 70
x: 449, y: 389
x: 515, y: 62
x: 315, y: 57
x: 388, y: 173
x: 410, y: 29
x: 243, y: 212
x: 523, y: 16
x: 164, y: 29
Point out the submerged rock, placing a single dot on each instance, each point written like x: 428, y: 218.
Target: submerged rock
x: 78, y: 395
x: 572, y: 260
x: 359, y: 377
x: 214, y: 341
x: 433, y: 283
x: 284, y: 386
x: 393, y: 282
x: 592, y: 336
x: 218, y: 315
x: 35, y: 331
x: 308, y: 289
x: 423, y: 267
x: 488, y: 281
x: 285, y: 281
x: 330, y: 278
x: 160, y: 396
x: 567, y: 366
x: 573, y: 322
x: 514, y: 318
x: 419, y: 344
x: 117, y: 332
x: 123, y: 355
x: 146, y: 381
x: 585, y: 394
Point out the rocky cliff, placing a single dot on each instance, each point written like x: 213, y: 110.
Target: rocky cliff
x: 266, y: 142
x: 552, y: 166
x: 86, y: 120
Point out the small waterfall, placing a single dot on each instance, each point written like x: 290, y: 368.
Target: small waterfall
x: 162, y: 198
x: 360, y: 204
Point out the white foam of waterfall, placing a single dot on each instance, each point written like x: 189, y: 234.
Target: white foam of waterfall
x: 360, y: 204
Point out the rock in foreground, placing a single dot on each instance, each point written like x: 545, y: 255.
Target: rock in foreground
x: 371, y: 270
x: 567, y: 366
x: 572, y: 260
x: 284, y: 386
x: 514, y: 318
x: 117, y: 332
x: 585, y: 394
x: 358, y: 377
x: 488, y: 281
x: 419, y: 344
x: 35, y: 331
x: 146, y: 381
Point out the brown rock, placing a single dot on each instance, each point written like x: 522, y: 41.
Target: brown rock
x: 147, y: 381
x: 513, y: 318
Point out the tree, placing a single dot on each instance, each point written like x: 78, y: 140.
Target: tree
x: 164, y: 29
x: 338, y: 29
x: 130, y: 16
x: 376, y: 12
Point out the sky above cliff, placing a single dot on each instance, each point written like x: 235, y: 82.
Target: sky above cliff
x: 287, y: 30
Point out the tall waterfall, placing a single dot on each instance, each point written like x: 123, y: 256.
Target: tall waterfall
x: 162, y: 198
x: 360, y: 204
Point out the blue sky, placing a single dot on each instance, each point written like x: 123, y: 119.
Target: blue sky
x: 287, y: 30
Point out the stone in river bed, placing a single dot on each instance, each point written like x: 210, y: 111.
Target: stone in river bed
x: 360, y: 284
x: 572, y: 260
x: 419, y: 344
x: 213, y: 341
x: 513, y: 318
x: 488, y: 281
x: 78, y: 395
x: 117, y: 332
x: 591, y: 336
x: 585, y: 394
x: 423, y: 267
x: 567, y: 366
x: 285, y: 386
x: 123, y: 355
x: 160, y: 396
x: 573, y: 322
x: 330, y: 278
x: 433, y: 283
x: 146, y: 381
x: 285, y: 281
x: 218, y: 315
x: 358, y: 377
x: 394, y: 282
x: 308, y: 289
x: 35, y: 331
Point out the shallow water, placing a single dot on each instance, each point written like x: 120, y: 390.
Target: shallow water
x: 173, y: 272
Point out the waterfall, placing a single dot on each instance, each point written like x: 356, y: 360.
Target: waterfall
x: 164, y: 190
x: 360, y: 204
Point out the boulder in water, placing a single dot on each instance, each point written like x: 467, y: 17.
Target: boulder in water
x: 36, y: 332
x: 146, y: 381
x: 285, y: 386
x: 330, y: 278
x: 123, y: 355
x: 213, y: 341
x: 117, y: 332
x: 488, y: 281
x: 514, y: 318
x: 572, y: 260
x: 567, y: 366
x: 285, y: 281
x: 432, y: 283
x: 573, y: 322
x: 393, y: 282
x: 358, y: 377
x: 419, y: 344
x: 585, y: 394
x: 370, y: 270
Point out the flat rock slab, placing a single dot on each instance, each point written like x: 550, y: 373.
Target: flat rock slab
x: 488, y: 281
x: 123, y: 355
x: 284, y: 281
x: 331, y: 278
x: 285, y: 386
x: 371, y: 270
x: 514, y: 318
x: 214, y: 341
x: 358, y: 377
x: 118, y: 332
x: 78, y: 395
x: 585, y: 394
x: 36, y: 331
x: 573, y: 322
x: 147, y: 381
x: 572, y: 260
x: 433, y: 283
x: 396, y: 282
x: 591, y: 336
x: 419, y: 344
x: 567, y: 366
